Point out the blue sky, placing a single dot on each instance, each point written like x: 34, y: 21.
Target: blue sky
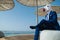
x: 19, y: 18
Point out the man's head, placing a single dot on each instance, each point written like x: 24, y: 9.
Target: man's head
x: 47, y: 8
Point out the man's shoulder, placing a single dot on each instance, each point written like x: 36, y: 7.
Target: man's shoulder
x: 53, y: 12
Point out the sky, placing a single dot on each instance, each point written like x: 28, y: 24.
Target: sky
x: 20, y: 18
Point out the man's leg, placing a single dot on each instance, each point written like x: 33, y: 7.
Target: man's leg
x: 43, y: 24
x: 38, y: 27
x: 36, y: 37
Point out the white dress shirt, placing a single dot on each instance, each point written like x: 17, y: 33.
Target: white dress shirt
x: 47, y: 16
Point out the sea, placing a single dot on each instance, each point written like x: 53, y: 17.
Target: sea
x: 15, y: 33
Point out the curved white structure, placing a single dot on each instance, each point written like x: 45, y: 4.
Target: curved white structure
x: 50, y: 35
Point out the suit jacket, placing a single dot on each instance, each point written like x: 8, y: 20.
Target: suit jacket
x: 53, y: 19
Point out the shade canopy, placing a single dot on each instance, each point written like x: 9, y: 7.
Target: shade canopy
x: 6, y: 4
x: 55, y: 8
x: 33, y: 2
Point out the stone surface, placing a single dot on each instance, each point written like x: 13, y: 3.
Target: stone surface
x: 50, y: 35
x: 1, y: 34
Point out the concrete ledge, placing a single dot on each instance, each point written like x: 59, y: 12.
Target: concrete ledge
x: 50, y: 35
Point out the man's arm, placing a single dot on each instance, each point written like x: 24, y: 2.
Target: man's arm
x: 53, y: 17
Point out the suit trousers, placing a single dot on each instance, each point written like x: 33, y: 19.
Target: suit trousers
x: 43, y: 25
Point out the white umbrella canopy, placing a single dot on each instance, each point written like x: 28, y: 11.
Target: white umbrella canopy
x: 55, y: 8
x: 6, y: 4
x: 33, y: 2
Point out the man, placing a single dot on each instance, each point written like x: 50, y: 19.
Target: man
x: 49, y: 23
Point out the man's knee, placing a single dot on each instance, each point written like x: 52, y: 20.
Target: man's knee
x: 43, y: 20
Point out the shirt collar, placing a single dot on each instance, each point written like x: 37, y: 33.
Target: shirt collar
x: 48, y: 12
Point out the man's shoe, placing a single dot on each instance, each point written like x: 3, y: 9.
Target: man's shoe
x: 32, y: 27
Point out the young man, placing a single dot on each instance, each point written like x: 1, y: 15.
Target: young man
x: 49, y: 23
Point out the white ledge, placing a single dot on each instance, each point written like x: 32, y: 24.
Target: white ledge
x: 50, y: 35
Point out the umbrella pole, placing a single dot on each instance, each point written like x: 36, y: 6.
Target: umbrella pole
x: 37, y: 11
x: 36, y: 36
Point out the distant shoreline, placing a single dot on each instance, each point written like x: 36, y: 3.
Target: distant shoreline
x: 8, y: 34
x: 19, y: 35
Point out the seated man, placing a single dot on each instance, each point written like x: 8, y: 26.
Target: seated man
x: 49, y: 23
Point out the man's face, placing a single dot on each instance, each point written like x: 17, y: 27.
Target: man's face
x: 47, y: 8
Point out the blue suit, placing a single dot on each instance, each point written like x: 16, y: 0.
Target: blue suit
x: 51, y: 24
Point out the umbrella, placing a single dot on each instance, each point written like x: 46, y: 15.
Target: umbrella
x: 6, y: 4
x: 55, y: 8
x: 35, y: 3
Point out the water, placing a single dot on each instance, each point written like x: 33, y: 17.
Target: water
x: 15, y: 33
